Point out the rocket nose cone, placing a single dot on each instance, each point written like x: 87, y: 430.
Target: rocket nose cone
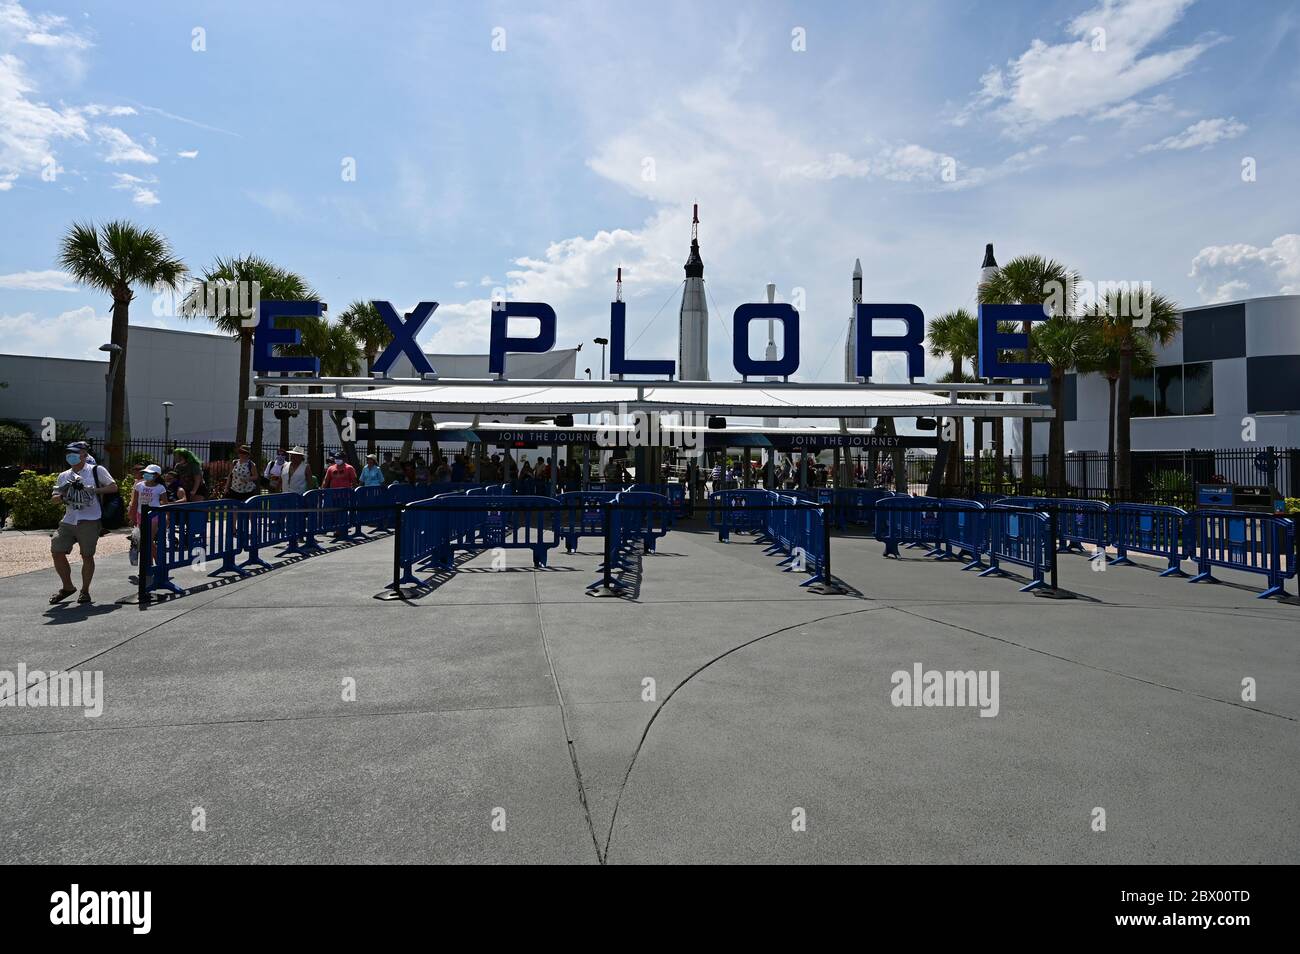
x: 857, y: 268
x: 989, y: 260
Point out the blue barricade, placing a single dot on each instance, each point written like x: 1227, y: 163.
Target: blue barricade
x: 1082, y: 521
x: 271, y: 520
x: 965, y: 531
x: 1246, y: 541
x: 676, y: 494
x: 913, y: 521
x: 634, y: 517
x: 433, y: 531
x: 728, y: 512
x: 192, y: 535
x: 797, y: 528
x: 583, y: 515
x: 1145, y: 528
x: 335, y: 513
x: 1022, y: 537
x: 373, y: 507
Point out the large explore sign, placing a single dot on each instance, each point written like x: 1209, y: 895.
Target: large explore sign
x: 992, y: 340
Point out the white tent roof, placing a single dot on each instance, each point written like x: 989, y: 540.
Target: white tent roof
x: 754, y: 400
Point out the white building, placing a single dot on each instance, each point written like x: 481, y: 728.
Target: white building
x: 199, y: 374
x: 1229, y: 362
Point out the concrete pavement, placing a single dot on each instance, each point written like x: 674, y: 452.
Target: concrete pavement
x: 513, y: 697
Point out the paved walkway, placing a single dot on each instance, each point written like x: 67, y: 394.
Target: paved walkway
x: 512, y: 690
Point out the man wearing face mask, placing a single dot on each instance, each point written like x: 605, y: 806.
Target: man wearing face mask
x: 79, y: 489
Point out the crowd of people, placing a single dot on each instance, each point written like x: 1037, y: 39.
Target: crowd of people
x: 732, y: 474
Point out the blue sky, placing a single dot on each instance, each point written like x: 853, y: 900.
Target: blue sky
x: 904, y: 133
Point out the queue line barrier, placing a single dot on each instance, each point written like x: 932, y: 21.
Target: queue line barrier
x: 796, y: 529
x: 1246, y: 541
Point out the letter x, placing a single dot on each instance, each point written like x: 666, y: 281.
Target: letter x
x: 404, y: 333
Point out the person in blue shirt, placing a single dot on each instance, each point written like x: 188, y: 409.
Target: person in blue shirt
x: 371, y: 475
x: 458, y: 469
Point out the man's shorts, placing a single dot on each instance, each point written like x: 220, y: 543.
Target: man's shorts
x: 85, y: 533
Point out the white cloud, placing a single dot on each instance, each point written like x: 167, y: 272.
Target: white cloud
x: 188, y: 153
x: 145, y: 197
x: 1203, y: 134
x: 28, y: 128
x: 42, y: 29
x: 72, y: 334
x: 121, y: 147
x: 1227, y: 272
x: 1049, y: 82
x: 903, y: 163
x: 48, y: 280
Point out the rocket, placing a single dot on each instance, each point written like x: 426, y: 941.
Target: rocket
x: 851, y: 339
x: 693, y: 319
x: 770, y: 353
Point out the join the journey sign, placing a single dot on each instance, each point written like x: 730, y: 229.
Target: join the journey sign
x: 992, y: 340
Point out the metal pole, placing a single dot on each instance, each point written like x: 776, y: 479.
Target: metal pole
x: 143, y: 567
x: 397, y: 550
x: 608, y: 508
x: 826, y: 543
x: 1052, y: 518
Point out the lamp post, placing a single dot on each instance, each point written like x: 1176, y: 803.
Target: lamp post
x: 602, y: 342
x: 167, y: 424
x: 112, y: 350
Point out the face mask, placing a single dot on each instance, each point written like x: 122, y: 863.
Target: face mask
x: 72, y: 459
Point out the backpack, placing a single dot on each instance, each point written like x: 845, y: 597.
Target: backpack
x: 112, y: 513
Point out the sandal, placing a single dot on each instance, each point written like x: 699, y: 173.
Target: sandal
x: 84, y: 597
x: 60, y: 596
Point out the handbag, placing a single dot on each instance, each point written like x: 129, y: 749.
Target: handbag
x: 112, y: 513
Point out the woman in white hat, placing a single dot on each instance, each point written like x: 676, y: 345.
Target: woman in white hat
x: 295, y: 478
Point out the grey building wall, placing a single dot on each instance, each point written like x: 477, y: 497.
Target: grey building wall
x: 199, y: 374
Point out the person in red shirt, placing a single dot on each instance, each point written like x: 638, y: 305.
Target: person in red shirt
x: 340, y: 474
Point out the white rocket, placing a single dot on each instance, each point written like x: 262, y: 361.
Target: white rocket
x: 770, y: 353
x: 851, y: 341
x: 693, y: 320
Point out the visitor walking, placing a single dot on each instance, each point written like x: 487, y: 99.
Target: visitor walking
x: 295, y: 477
x: 80, y: 489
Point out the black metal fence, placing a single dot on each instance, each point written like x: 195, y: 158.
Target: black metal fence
x: 1155, y: 476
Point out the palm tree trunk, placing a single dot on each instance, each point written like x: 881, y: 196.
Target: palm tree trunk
x: 245, y: 363
x: 1110, y: 438
x: 1056, y: 436
x: 1123, y: 437
x: 116, y: 437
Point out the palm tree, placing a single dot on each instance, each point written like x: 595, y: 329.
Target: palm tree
x: 340, y: 356
x: 956, y: 335
x: 214, y: 298
x: 361, y: 319
x: 1065, y: 343
x: 113, y: 258
x: 1127, y: 317
x: 1031, y: 280
x: 1106, y: 362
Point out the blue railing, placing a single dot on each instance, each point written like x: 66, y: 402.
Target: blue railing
x: 1156, y: 530
x: 1022, y: 537
x: 965, y: 532
x: 1249, y: 542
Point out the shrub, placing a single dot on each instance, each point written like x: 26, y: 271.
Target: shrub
x: 1293, y: 504
x: 13, y: 442
x: 1170, y: 487
x: 29, y: 502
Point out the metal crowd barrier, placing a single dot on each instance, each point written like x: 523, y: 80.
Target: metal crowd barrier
x: 965, y: 534
x: 729, y: 511
x: 1019, y: 536
x: 431, y: 532
x: 583, y: 515
x: 270, y: 520
x: 1249, y: 542
x: 799, y: 529
x: 632, y: 517
x: 191, y: 535
x: 913, y: 521
x: 1156, y: 530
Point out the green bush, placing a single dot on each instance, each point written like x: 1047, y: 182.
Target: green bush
x: 1170, y: 487
x: 1293, y: 504
x: 30, y: 504
x: 13, y: 441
